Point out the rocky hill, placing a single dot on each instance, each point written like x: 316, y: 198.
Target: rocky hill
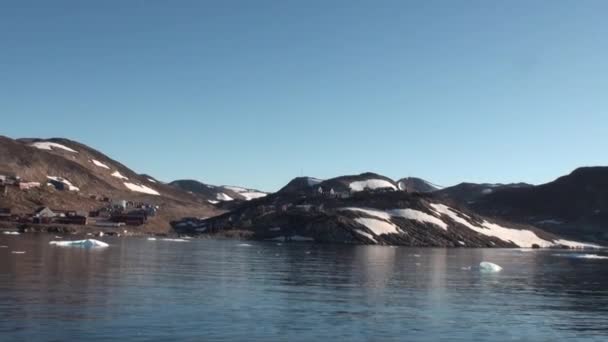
x: 366, y: 209
x: 414, y: 184
x: 216, y: 194
x: 469, y: 193
x: 573, y: 205
x: 74, y: 176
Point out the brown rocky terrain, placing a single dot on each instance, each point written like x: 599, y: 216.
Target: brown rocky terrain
x: 95, y: 175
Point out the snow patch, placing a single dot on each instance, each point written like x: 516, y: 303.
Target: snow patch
x: 223, y: 197
x: 419, y: 216
x: 100, y: 164
x: 378, y: 227
x: 367, y: 235
x: 47, y: 145
x: 117, y: 174
x: 71, y: 186
x: 313, y: 181
x: 371, y: 184
x: 151, y: 180
x: 141, y: 188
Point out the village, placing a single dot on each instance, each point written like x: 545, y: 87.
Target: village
x: 112, y: 213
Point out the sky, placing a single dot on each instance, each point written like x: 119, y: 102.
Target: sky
x: 255, y: 93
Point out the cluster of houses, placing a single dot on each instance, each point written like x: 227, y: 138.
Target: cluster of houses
x: 118, y: 213
x: 8, y: 179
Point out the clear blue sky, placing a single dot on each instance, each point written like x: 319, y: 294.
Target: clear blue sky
x: 256, y: 92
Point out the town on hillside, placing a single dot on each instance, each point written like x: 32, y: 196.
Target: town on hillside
x: 112, y: 213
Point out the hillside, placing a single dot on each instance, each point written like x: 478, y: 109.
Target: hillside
x: 469, y: 193
x: 372, y: 212
x: 414, y: 184
x: 573, y: 205
x: 215, y: 194
x: 88, y: 176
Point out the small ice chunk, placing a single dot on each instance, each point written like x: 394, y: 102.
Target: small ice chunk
x: 18, y: 252
x: 243, y: 245
x: 11, y: 233
x: 486, y: 266
x: 151, y: 239
x: 87, y: 243
x: 175, y: 240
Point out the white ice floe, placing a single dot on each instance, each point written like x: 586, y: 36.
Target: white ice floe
x: 47, y: 145
x: 11, y: 233
x: 223, y: 197
x: 243, y: 245
x: 151, y: 239
x: 117, y: 174
x: 371, y: 184
x: 175, y: 240
x: 378, y: 227
x: 293, y: 238
x: 69, y: 184
x: 489, y: 267
x: 100, y: 164
x: 581, y: 256
x: 141, y: 188
x: 18, y: 252
x: 87, y: 243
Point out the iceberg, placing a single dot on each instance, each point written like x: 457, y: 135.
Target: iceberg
x: 489, y: 267
x: 88, y: 243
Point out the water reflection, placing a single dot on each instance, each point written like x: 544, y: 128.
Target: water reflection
x: 138, y: 289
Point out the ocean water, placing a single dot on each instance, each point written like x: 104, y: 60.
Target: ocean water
x: 206, y: 290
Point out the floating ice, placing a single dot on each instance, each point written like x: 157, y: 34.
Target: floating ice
x: 582, y: 256
x: 175, y: 240
x: 88, y: 243
x: 243, y: 245
x: 11, y: 233
x: 18, y: 252
x: 489, y: 267
x: 151, y: 239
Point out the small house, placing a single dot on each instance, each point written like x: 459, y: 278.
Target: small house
x: 28, y: 185
x: 44, y: 212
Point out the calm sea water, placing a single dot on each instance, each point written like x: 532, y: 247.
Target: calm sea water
x: 139, y: 290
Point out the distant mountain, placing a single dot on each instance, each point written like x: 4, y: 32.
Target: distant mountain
x: 365, y: 209
x: 340, y: 185
x: 215, y: 194
x: 87, y: 174
x: 574, y: 205
x: 413, y: 184
x: 469, y: 193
